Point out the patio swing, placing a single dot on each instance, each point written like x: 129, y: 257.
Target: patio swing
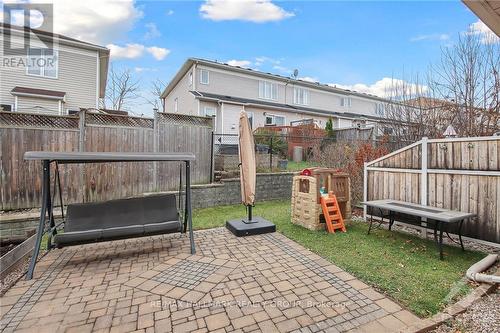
x: 114, y: 219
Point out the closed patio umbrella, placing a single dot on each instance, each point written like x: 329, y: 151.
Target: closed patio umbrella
x: 246, y: 151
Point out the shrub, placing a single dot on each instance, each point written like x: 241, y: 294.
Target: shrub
x: 350, y: 157
x: 278, y: 144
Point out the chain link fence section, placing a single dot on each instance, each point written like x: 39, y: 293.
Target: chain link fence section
x: 279, y: 152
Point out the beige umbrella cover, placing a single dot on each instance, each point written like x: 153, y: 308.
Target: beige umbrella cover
x: 247, y: 160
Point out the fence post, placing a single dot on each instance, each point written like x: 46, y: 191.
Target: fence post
x: 271, y: 154
x: 155, y: 148
x: 423, y: 185
x: 81, y: 148
x: 365, y: 188
x: 81, y: 131
x: 212, y: 142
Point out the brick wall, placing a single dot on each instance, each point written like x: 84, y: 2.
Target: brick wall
x: 270, y: 186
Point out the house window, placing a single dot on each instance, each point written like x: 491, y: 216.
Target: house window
x: 380, y: 109
x: 190, y: 79
x: 176, y: 105
x: 42, y: 62
x: 388, y: 131
x: 6, y: 107
x: 273, y: 120
x: 204, y: 76
x: 209, y: 111
x: 300, y: 96
x: 346, y: 102
x: 268, y: 90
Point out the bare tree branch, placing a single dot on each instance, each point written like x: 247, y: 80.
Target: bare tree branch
x: 121, y: 90
x: 157, y: 87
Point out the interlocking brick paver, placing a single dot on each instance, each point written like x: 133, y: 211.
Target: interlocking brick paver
x: 388, y: 305
x: 264, y: 283
x: 217, y: 321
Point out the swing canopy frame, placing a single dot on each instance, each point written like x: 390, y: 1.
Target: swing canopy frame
x: 56, y: 158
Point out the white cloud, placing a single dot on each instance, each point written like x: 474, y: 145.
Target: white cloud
x: 480, y: 29
x: 159, y: 53
x: 134, y: 51
x: 283, y: 69
x: 144, y: 69
x: 96, y: 21
x: 35, y: 19
x: 258, y: 11
x: 439, y: 37
x: 152, y: 32
x: 263, y: 59
x: 170, y: 12
x: 129, y: 51
x: 308, y: 79
x: 386, y: 87
x: 239, y: 63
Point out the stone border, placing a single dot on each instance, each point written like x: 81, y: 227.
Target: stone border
x: 451, y: 311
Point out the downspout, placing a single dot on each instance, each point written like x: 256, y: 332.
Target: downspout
x: 473, y: 273
x: 221, y: 106
x: 286, y: 84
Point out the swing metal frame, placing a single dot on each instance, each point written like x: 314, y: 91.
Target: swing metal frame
x: 48, y: 196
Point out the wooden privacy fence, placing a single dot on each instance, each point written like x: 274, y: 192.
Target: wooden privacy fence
x: 454, y: 173
x: 20, y: 181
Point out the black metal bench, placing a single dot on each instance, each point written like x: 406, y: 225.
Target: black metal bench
x: 119, y: 219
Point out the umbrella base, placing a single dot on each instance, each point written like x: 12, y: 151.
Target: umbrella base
x: 243, y: 227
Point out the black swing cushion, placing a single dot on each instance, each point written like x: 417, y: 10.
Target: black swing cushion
x: 118, y: 219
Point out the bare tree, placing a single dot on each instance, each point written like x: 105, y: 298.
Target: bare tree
x: 121, y: 89
x: 157, y: 87
x: 410, y: 110
x: 462, y: 90
x: 467, y: 78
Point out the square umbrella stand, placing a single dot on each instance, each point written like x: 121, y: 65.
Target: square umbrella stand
x: 250, y: 225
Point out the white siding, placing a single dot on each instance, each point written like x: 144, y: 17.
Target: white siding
x: 186, y: 101
x: 228, y: 83
x: 77, y: 77
x: 37, y: 105
x: 218, y: 117
x: 231, y: 118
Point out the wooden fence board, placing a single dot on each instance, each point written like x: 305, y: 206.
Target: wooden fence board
x: 477, y: 193
x: 20, y: 181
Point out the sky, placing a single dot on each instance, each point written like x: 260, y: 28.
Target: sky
x: 359, y: 45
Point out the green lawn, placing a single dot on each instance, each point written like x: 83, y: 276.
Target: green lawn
x: 404, y: 267
x: 299, y: 166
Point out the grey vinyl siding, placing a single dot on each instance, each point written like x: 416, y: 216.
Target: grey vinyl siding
x: 260, y: 117
x: 231, y: 118
x: 245, y: 86
x: 77, y: 77
x: 37, y: 105
x: 187, y: 104
x: 218, y: 115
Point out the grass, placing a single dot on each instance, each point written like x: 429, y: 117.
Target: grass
x: 402, y: 266
x: 299, y: 166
